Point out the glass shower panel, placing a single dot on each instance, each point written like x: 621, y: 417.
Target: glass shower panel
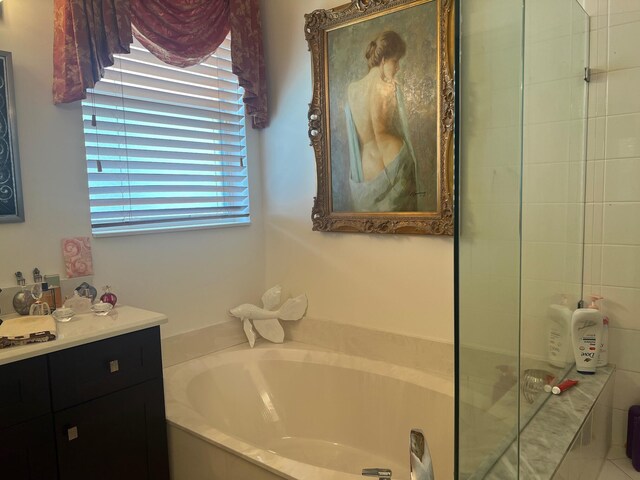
x: 519, y: 244
x: 488, y: 239
x: 553, y: 186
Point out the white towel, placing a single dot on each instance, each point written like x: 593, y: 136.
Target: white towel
x: 27, y: 329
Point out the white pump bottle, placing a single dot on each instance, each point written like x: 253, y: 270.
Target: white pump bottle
x: 586, y: 333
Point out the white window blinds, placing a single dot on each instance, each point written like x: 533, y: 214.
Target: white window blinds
x: 165, y: 145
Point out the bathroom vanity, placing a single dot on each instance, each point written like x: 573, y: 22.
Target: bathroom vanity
x: 89, y: 404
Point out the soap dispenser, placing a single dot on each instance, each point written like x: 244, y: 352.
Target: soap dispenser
x: 586, y: 333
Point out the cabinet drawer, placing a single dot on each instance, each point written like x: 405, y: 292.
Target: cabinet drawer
x: 96, y: 369
x: 24, y: 391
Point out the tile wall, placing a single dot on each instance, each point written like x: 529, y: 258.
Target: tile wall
x: 612, y: 256
x: 554, y: 139
x: 489, y: 252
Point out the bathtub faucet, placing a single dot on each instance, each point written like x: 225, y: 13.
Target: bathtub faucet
x: 381, y: 473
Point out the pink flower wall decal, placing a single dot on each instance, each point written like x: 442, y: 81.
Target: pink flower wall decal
x: 76, y: 252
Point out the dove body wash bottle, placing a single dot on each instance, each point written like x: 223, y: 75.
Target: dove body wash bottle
x: 586, y: 333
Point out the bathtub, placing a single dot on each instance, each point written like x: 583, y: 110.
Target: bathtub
x: 300, y: 412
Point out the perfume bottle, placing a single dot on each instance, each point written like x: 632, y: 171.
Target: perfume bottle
x: 108, y: 296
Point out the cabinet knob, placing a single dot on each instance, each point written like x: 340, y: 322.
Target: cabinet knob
x: 113, y: 366
x: 72, y: 433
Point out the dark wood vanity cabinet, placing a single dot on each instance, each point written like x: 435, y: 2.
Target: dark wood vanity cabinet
x: 103, y: 413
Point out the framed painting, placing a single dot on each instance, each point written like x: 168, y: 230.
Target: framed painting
x: 381, y: 118
x: 11, y: 206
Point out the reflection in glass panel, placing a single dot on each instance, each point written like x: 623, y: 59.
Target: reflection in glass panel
x: 489, y: 241
x: 554, y: 161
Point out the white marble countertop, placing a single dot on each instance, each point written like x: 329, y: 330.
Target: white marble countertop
x: 87, y: 328
x: 548, y: 436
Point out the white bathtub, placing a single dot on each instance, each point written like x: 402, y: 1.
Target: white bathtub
x: 299, y: 412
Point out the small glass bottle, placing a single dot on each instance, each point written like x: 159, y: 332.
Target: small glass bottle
x: 108, y: 296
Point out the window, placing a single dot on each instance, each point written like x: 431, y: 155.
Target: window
x: 165, y: 145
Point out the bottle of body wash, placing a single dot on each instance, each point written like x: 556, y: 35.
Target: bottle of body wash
x: 603, y: 353
x: 560, y: 351
x: 586, y: 333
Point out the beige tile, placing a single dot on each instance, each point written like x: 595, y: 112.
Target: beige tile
x: 623, y: 140
x: 622, y: 224
x: 623, y: 95
x: 573, y: 458
x: 620, y: 266
x: 548, y: 20
x: 598, y: 95
x: 548, y: 142
x: 596, y: 138
x: 625, y: 465
x: 552, y: 222
x: 547, y: 60
x: 193, y: 459
x: 594, y: 187
x: 627, y: 391
x: 244, y: 470
x: 413, y: 352
x: 618, y: 186
x: 497, y: 146
x: 603, y: 7
x: 551, y: 102
x: 183, y: 347
x: 624, y: 7
x: 546, y: 183
x: 616, y: 452
x: 598, y: 222
x: 588, y: 223
x: 623, y: 39
x: 622, y: 305
x: 543, y: 261
x: 592, y: 265
x: 623, y: 349
x: 624, y: 11
x: 611, y: 472
x: 619, y: 427
x: 603, y: 45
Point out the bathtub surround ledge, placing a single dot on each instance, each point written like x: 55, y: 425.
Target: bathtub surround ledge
x: 418, y: 353
x: 197, y: 343
x: 567, y: 429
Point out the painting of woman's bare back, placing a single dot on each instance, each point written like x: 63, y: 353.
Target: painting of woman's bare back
x: 383, y: 155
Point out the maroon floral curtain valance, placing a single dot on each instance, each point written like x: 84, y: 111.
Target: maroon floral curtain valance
x: 247, y: 57
x: 86, y: 35
x: 179, y: 32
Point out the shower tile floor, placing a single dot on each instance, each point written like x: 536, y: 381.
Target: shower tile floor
x: 618, y: 466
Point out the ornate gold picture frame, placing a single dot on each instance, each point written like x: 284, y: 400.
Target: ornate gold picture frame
x: 381, y: 117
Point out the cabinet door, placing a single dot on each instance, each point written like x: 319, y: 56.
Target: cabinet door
x: 28, y: 451
x: 24, y: 391
x: 121, y: 436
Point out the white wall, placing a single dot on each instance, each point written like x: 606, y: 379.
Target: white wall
x: 402, y: 284
x: 194, y: 277
x: 612, y: 257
